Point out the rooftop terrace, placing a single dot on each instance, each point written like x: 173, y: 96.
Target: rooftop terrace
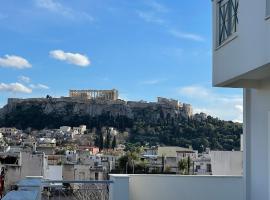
x: 133, y: 187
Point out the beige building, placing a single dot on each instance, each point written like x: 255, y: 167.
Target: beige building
x: 95, y: 94
x: 82, y: 172
x: 20, y: 164
x: 8, y: 130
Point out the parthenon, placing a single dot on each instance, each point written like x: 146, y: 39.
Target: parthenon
x: 94, y: 94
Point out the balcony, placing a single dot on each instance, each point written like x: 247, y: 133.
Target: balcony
x: 134, y: 187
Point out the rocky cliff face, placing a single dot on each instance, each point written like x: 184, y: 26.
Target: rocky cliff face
x: 64, y: 106
x: 68, y: 109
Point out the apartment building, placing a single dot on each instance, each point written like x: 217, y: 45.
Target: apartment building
x: 241, y: 59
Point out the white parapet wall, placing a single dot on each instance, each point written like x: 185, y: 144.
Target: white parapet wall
x: 163, y: 187
x: 226, y: 163
x: 119, y: 189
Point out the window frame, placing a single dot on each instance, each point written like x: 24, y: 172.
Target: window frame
x: 267, y: 9
x: 227, y: 14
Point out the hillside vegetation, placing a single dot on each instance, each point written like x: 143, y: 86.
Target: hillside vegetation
x: 145, y: 126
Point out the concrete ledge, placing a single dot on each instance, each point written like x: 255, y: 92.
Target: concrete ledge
x: 119, y: 190
x: 160, y: 187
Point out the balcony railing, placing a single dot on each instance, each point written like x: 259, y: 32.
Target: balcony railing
x: 227, y: 19
x: 76, y: 190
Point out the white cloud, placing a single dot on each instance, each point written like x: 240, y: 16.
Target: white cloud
x: 194, y: 91
x: 189, y: 36
x: 12, y: 61
x: 52, y: 6
x: 152, y: 14
x: 239, y: 118
x: 151, y: 17
x: 24, y: 79
x: 39, y: 86
x: 124, y: 96
x: 208, y: 100
x: 58, y: 8
x: 158, y: 7
x: 71, y: 58
x: 152, y: 82
x: 14, y: 87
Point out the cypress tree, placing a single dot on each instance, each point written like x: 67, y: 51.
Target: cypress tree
x: 114, y: 143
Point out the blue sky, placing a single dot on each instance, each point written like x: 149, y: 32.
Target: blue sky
x: 143, y: 48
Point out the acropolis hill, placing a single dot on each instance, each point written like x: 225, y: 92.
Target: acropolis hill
x: 91, y: 103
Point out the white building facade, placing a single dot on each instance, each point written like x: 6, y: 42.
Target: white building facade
x: 241, y: 59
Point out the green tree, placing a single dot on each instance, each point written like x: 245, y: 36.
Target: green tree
x: 168, y: 169
x: 184, y: 165
x: 114, y: 142
x: 128, y: 162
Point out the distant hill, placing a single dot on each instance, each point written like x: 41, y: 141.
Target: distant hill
x: 152, y: 123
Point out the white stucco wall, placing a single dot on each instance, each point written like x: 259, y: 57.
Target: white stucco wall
x: 119, y: 189
x: 257, y: 142
x: 249, y: 50
x: 30, y: 165
x: 54, y: 172
x: 162, y: 187
x: 227, y: 163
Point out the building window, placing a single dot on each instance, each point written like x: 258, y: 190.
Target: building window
x: 227, y: 19
x: 267, y: 8
x: 208, y: 168
x: 96, y: 176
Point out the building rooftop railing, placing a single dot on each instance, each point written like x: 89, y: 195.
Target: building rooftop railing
x: 76, y: 190
x: 39, y: 189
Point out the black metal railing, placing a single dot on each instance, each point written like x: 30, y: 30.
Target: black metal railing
x: 227, y: 19
x: 76, y: 190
